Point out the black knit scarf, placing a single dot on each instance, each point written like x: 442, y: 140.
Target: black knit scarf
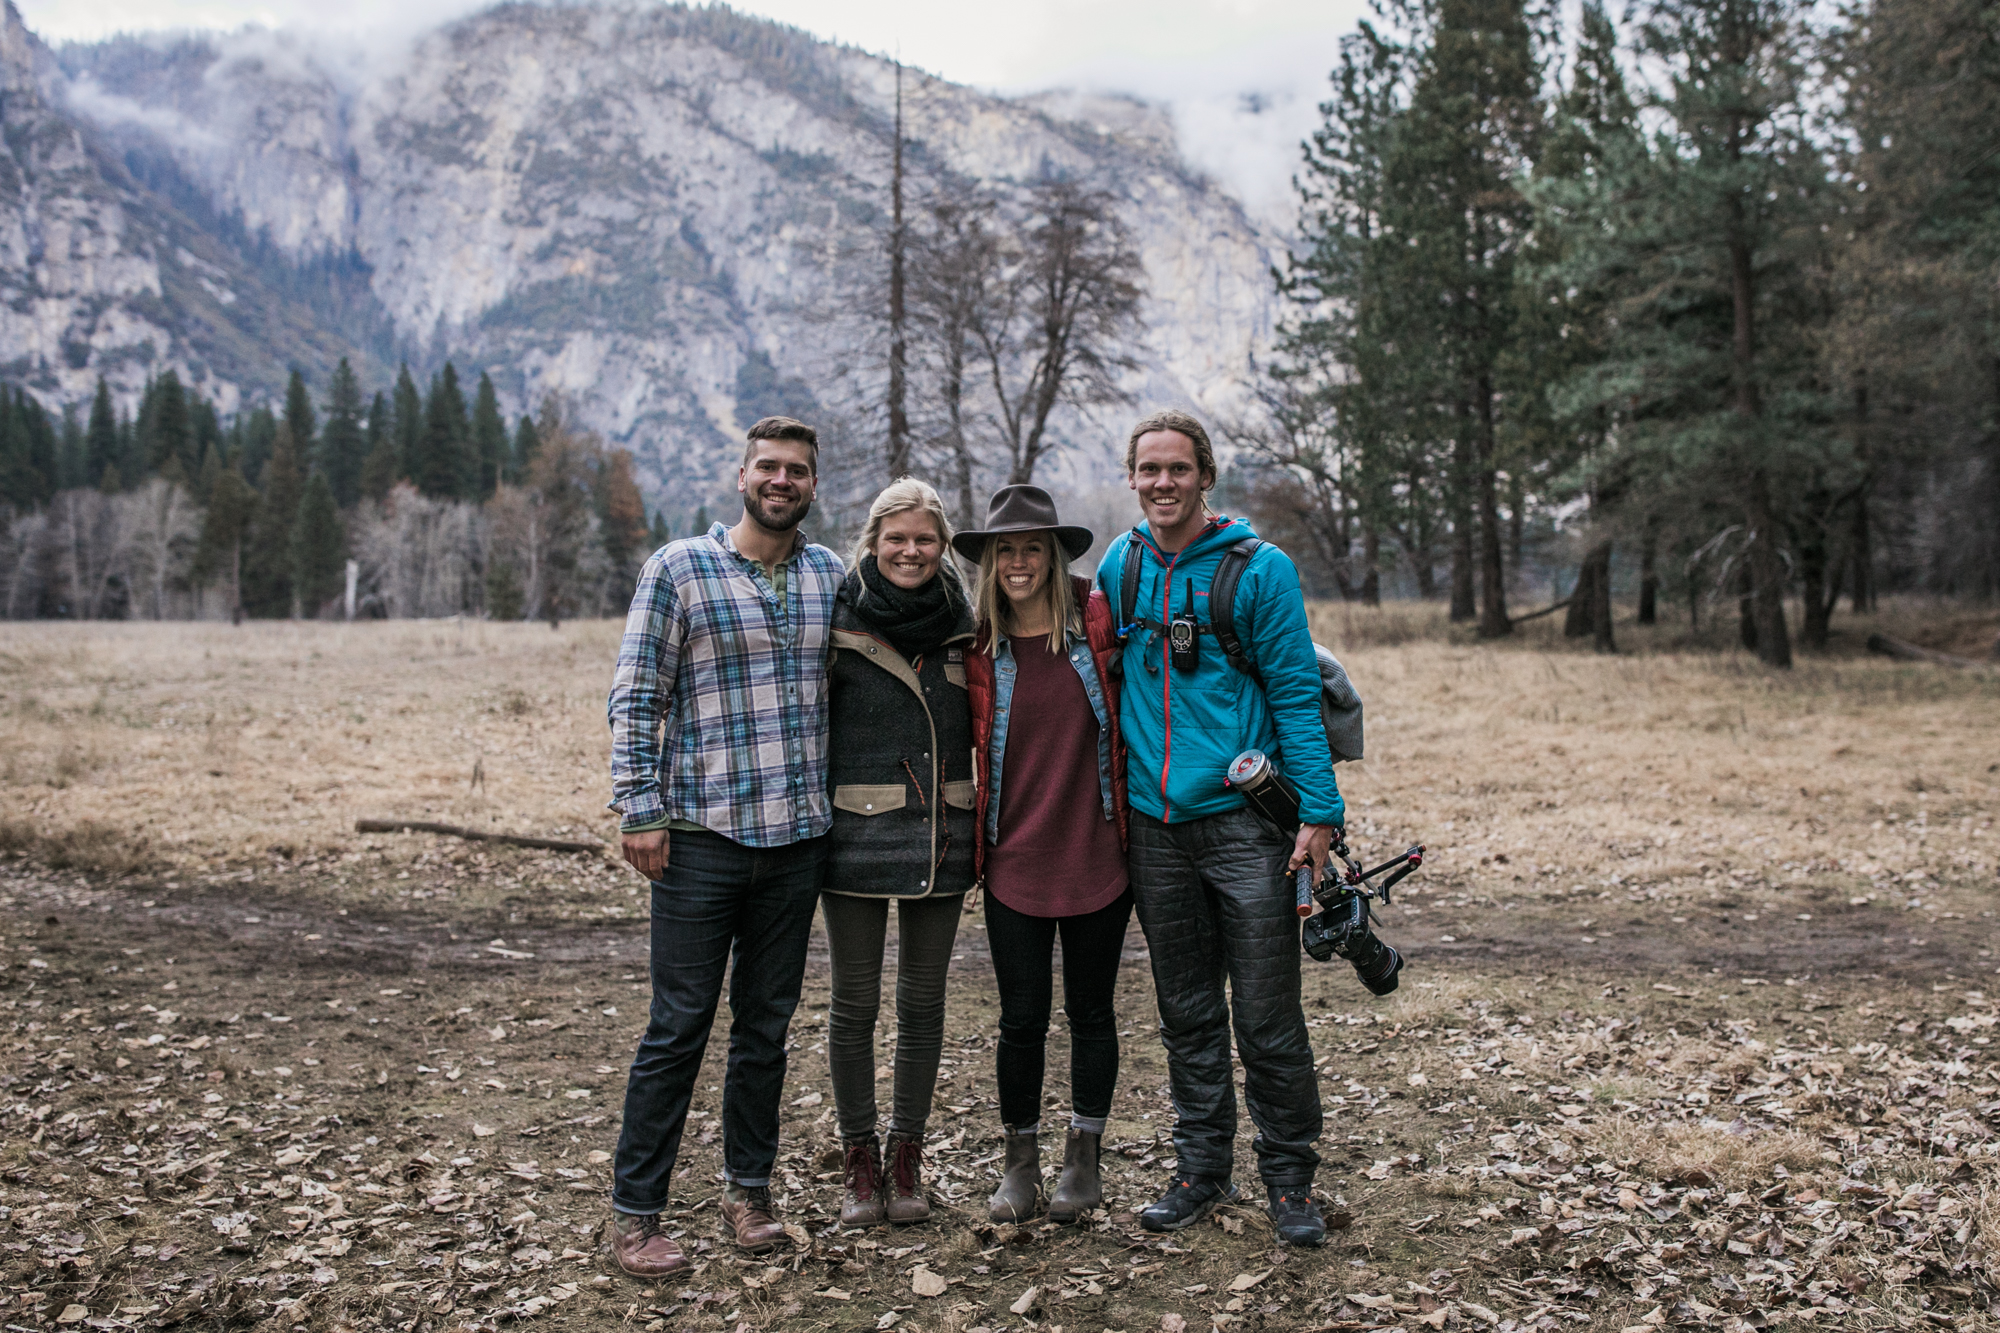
x: 913, y: 620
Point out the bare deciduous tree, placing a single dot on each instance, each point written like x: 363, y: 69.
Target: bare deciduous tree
x: 1067, y: 302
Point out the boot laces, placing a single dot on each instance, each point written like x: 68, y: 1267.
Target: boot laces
x: 908, y: 1157
x: 861, y: 1170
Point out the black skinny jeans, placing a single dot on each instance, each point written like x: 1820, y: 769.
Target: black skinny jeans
x: 1023, y: 949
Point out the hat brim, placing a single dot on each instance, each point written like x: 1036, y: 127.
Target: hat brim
x: 1075, y: 541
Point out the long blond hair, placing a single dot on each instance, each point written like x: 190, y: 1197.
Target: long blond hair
x: 900, y: 497
x: 995, y: 608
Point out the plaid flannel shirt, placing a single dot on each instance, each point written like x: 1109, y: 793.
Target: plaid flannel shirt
x: 739, y: 681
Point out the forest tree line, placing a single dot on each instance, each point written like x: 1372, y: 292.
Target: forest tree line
x: 169, y: 512
x: 1719, y: 292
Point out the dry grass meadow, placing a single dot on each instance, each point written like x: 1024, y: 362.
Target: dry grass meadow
x: 1695, y: 1032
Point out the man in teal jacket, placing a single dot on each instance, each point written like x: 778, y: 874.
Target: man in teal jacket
x: 1212, y: 878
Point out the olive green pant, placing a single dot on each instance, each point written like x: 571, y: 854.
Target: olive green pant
x: 856, y: 934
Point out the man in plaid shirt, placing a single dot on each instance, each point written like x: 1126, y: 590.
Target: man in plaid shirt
x: 726, y: 812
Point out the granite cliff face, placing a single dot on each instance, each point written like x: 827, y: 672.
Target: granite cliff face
x: 660, y: 211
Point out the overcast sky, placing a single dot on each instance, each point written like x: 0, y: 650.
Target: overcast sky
x: 1242, y: 77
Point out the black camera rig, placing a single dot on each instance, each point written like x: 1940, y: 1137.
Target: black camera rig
x: 1342, y: 925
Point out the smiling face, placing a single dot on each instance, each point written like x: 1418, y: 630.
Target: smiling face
x: 908, y: 548
x: 778, y: 484
x: 1021, y: 567
x: 1169, y: 483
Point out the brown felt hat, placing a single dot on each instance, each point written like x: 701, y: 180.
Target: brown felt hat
x: 1022, y: 509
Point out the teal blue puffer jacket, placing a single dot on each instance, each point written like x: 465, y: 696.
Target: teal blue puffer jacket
x: 1182, y: 729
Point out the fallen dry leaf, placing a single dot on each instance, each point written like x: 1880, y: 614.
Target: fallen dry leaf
x: 926, y: 1283
x: 1027, y: 1301
x: 1245, y: 1281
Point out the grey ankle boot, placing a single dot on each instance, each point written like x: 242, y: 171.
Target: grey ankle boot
x: 1020, y: 1194
x: 1079, y: 1188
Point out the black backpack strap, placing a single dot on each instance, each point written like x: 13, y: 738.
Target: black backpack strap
x: 1128, y: 585
x: 1222, y: 605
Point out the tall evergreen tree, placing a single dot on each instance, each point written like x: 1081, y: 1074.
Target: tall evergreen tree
x: 489, y: 436
x: 1713, y: 241
x: 658, y: 534
x: 167, y: 429
x: 1450, y: 194
x: 268, y: 586
x: 525, y: 444
x: 258, y: 431
x: 408, y: 408
x: 448, y: 468
x: 1561, y: 327
x: 101, y: 435
x: 71, y: 462
x: 299, y: 416
x: 227, y: 523
x: 344, y: 443
x: 319, y: 547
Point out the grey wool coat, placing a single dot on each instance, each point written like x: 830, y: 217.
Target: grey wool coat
x: 899, y: 765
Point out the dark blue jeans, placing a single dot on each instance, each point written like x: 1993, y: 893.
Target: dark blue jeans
x: 717, y: 896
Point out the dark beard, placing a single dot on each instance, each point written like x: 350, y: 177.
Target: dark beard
x: 762, y: 517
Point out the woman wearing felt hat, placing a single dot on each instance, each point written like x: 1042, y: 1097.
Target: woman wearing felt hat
x: 1051, y: 814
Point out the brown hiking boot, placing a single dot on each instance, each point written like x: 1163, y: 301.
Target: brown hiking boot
x: 904, y: 1170
x: 1020, y: 1194
x: 750, y: 1221
x: 862, y: 1204
x: 641, y: 1248
x: 1079, y: 1189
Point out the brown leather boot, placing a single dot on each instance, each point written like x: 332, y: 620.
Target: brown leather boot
x: 749, y: 1218
x: 904, y: 1170
x: 641, y: 1248
x: 1079, y: 1189
x: 1020, y: 1194
x: 862, y: 1204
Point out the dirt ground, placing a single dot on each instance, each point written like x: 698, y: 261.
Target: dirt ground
x: 1695, y: 1029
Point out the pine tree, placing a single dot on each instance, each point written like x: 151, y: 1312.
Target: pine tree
x: 408, y: 410
x: 1561, y: 328
x: 658, y: 535
x: 489, y: 436
x: 343, y: 444
x: 226, y: 525
x: 258, y: 432
x: 1712, y: 241
x: 101, y: 435
x: 268, y: 586
x: 167, y: 429
x: 448, y: 469
x: 319, y: 547
x: 1450, y: 193
x: 525, y: 444
x: 299, y: 416
x: 71, y: 463
x: 22, y: 484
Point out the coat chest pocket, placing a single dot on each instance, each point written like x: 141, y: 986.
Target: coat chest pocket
x: 959, y: 795
x: 869, y: 799
x: 954, y: 674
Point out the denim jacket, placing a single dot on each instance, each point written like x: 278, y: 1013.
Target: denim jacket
x: 1004, y: 672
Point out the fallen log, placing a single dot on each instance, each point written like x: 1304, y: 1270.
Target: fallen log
x: 472, y: 834
x: 1545, y: 611
x: 1910, y: 652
